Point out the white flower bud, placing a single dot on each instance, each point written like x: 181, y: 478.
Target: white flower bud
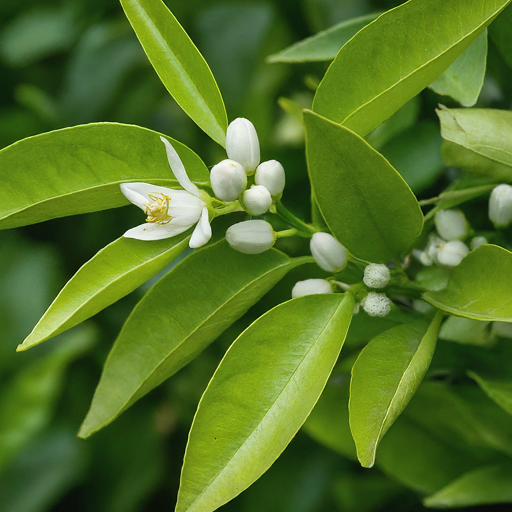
x: 242, y: 144
x: 311, y: 287
x: 329, y: 254
x: 451, y: 224
x: 251, y: 236
x: 376, y: 304
x: 376, y: 275
x: 257, y: 200
x: 477, y: 242
x: 452, y: 253
x: 500, y: 206
x: 270, y: 174
x: 228, y: 180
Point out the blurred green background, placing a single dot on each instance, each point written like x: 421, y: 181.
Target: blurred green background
x: 69, y: 62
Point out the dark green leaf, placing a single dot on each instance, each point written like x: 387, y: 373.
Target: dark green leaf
x: 499, y: 390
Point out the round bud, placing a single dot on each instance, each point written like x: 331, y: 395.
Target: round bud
x: 311, y: 287
x: 452, y: 253
x: 477, y: 242
x: 228, y: 180
x: 377, y: 304
x: 500, y: 206
x: 242, y: 144
x: 329, y: 254
x: 270, y: 174
x: 451, y: 225
x: 257, y: 200
x: 251, y: 236
x: 376, y: 275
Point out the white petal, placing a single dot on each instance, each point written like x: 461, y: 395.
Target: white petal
x: 150, y: 231
x: 178, y: 169
x: 203, y: 231
x: 133, y: 196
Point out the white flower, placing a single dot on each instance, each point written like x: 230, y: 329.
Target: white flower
x: 242, y: 144
x: 270, y: 174
x: 169, y: 211
x: 376, y: 275
x: 500, y: 206
x: 451, y: 224
x: 477, y: 242
x: 228, y: 180
x: 251, y: 236
x: 376, y: 304
x: 257, y: 200
x: 452, y: 253
x: 311, y: 287
x: 329, y: 254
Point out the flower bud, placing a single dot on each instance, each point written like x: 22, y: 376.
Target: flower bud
x: 257, y: 200
x: 377, y: 304
x: 242, y: 144
x: 451, y: 224
x: 251, y: 236
x: 228, y: 180
x: 376, y: 275
x: 452, y: 253
x: 311, y: 287
x: 329, y: 254
x: 477, y: 242
x: 270, y: 174
x: 500, y: 206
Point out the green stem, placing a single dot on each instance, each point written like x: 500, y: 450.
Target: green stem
x: 286, y: 232
x: 302, y: 228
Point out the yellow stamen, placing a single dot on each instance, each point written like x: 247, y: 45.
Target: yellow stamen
x: 158, y: 209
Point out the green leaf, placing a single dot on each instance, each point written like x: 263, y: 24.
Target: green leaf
x: 79, y: 169
x: 252, y: 409
x: 384, y: 379
x: 482, y: 486
x: 383, y: 66
x: 501, y: 36
x: 365, y: 202
x: 466, y: 331
x: 114, y: 272
x: 498, y: 390
x: 433, y: 278
x: 480, y: 286
x: 324, y: 45
x: 178, y: 317
x: 478, y: 141
x: 178, y: 63
x: 464, y: 79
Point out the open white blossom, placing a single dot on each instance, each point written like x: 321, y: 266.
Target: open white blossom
x: 169, y: 211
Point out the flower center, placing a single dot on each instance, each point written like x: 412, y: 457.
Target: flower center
x: 158, y: 209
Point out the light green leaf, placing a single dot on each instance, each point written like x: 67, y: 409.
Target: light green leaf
x: 464, y: 79
x: 466, y: 331
x: 433, y: 278
x: 478, y: 141
x: 365, y: 202
x: 384, y: 379
x: 482, y: 486
x: 179, y: 317
x: 389, y: 64
x: 497, y: 389
x: 79, y: 169
x: 178, y: 63
x: 114, y: 272
x: 324, y: 45
x: 252, y: 409
x: 480, y: 286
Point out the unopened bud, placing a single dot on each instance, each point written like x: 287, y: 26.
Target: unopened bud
x: 329, y: 254
x: 311, y: 287
x: 377, y: 304
x: 477, y: 242
x: 500, y: 206
x: 251, y: 236
x: 376, y: 275
x: 452, y: 253
x: 270, y: 174
x: 228, y: 180
x: 257, y: 200
x: 451, y: 225
x: 242, y: 144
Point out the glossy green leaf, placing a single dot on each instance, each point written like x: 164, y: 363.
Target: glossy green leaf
x: 501, y: 36
x: 482, y: 486
x: 466, y: 331
x: 497, y: 389
x: 389, y: 65
x: 179, y: 317
x: 365, y: 202
x: 252, y: 409
x: 178, y: 63
x: 433, y: 278
x: 324, y: 45
x: 79, y: 169
x: 384, y: 379
x: 114, y: 272
x: 480, y: 286
x: 464, y: 79
x: 478, y: 141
